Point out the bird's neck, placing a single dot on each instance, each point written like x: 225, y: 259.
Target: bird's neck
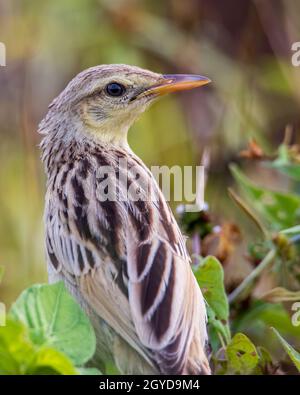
x: 58, y: 149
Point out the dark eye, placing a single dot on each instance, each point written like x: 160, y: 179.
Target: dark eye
x: 115, y: 89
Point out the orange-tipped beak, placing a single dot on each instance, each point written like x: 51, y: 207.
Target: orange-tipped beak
x: 178, y: 82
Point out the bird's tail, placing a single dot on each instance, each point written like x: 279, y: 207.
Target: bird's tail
x: 197, y: 363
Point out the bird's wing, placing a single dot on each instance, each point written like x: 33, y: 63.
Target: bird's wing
x: 131, y: 266
x: 83, y: 242
x: 166, y: 303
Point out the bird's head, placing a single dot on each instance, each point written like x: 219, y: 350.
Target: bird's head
x: 104, y: 101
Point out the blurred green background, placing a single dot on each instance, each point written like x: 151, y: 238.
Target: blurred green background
x: 243, y: 46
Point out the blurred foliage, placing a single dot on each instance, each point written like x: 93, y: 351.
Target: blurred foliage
x: 263, y: 300
x: 293, y: 354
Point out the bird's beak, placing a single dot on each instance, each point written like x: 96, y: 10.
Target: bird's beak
x: 177, y: 82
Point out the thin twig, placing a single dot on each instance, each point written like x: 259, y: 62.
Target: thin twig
x: 268, y: 259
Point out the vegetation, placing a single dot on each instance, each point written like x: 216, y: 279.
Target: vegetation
x: 262, y: 305
x: 42, y: 334
x: 45, y: 323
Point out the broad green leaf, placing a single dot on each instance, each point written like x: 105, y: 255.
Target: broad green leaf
x: 242, y: 355
x: 210, y: 278
x: 281, y: 210
x: 260, y: 316
x: 264, y: 355
x: 293, y: 354
x: 56, y: 320
x: 16, y: 349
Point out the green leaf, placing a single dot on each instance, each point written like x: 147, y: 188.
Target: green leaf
x: 210, y: 278
x: 280, y: 210
x: 56, y: 320
x: 16, y: 349
x: 18, y: 355
x: 280, y: 294
x: 283, y: 154
x: 242, y: 355
x: 265, y: 365
x: 293, y: 354
x: 89, y: 371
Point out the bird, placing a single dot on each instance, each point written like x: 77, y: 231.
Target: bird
x: 124, y: 260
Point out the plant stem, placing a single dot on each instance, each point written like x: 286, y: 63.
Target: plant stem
x: 268, y: 259
x: 222, y: 341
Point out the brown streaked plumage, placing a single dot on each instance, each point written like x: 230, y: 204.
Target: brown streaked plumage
x: 124, y: 260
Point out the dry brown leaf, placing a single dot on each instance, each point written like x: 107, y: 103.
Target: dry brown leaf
x: 253, y: 151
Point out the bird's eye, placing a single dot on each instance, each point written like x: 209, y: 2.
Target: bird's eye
x: 115, y: 89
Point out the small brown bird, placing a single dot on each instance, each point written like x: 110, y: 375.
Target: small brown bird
x: 124, y: 259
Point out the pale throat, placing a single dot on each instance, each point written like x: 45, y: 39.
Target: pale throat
x: 109, y: 133
x: 113, y: 130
